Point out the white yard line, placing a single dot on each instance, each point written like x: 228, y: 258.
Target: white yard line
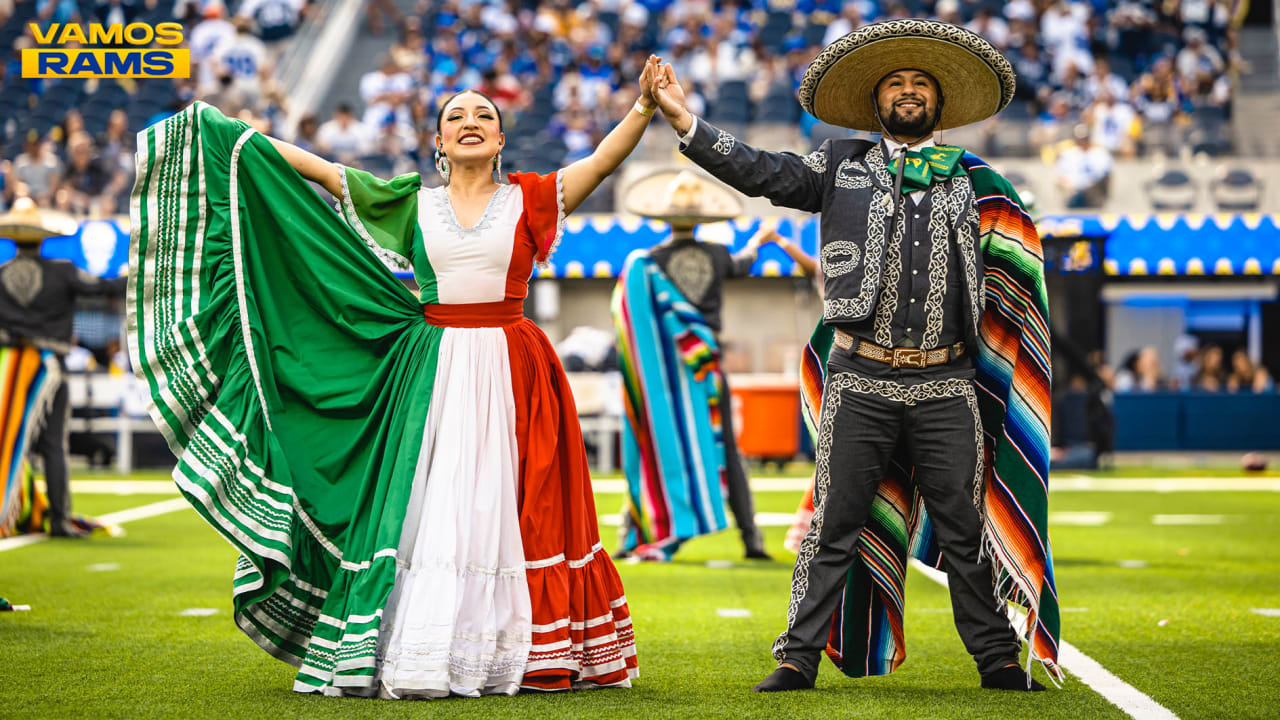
x: 1057, y: 483
x: 124, y: 487
x: 116, y: 518
x: 800, y: 483
x: 1132, y: 701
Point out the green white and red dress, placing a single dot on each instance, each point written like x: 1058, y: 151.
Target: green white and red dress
x: 403, y: 476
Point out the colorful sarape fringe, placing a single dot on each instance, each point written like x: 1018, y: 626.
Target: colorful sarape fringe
x: 1013, y: 384
x: 30, y: 378
x: 672, y: 434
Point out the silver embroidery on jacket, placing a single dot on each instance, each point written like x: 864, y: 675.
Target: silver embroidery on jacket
x: 840, y: 257
x: 691, y: 270
x: 852, y: 175
x: 816, y: 161
x: 23, y: 279
x: 724, y: 143
x: 892, y: 277
x: 856, y: 308
x: 939, y: 239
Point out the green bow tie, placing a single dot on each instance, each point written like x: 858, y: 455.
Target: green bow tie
x: 930, y: 165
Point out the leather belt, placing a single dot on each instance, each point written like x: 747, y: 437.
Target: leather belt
x: 899, y: 357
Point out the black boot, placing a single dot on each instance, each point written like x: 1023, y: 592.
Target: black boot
x: 1011, y: 677
x: 782, y: 680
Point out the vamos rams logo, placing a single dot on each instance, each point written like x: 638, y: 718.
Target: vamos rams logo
x: 136, y: 50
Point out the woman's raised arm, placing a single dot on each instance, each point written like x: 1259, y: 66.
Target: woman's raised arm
x: 310, y: 166
x: 583, y: 176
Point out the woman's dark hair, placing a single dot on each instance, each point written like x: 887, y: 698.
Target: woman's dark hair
x: 445, y: 104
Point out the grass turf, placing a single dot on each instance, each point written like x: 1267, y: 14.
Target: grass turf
x: 112, y: 643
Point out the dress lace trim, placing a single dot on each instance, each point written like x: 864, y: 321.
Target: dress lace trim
x: 545, y: 262
x: 392, y: 259
x: 440, y: 197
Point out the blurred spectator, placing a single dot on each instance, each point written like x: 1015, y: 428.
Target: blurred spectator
x: 410, y: 51
x: 1211, y: 373
x: 376, y: 9
x: 1262, y: 382
x: 243, y: 58
x: 273, y: 20
x: 1199, y: 63
x: 505, y: 90
x: 344, y: 138
x: 212, y: 30
x: 1083, y: 171
x: 1141, y: 373
x: 307, y: 132
x: 1114, y: 125
x: 1158, y: 96
x: 1054, y: 124
x: 57, y: 11
x: 1103, y: 80
x: 850, y: 19
x: 386, y: 92
x: 1064, y: 33
x: 575, y: 127
x: 1032, y: 69
x: 990, y: 26
x: 1186, y: 354
x: 38, y: 169
x: 90, y: 185
x: 115, y: 12
x: 1246, y: 377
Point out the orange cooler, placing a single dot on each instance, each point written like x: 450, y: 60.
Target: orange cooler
x: 766, y: 415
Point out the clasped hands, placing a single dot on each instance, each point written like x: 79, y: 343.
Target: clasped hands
x: 659, y: 85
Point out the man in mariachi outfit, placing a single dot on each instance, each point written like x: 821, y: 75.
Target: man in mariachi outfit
x: 37, y: 304
x: 932, y: 359
x: 698, y: 269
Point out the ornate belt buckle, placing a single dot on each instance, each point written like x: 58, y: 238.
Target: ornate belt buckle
x: 909, y: 357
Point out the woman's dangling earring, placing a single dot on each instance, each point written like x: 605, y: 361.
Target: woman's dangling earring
x: 497, y: 166
x: 442, y: 165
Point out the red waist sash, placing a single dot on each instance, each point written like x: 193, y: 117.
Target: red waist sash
x: 475, y: 315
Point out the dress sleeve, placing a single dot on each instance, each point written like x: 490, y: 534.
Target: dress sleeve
x: 384, y: 213
x: 543, y: 210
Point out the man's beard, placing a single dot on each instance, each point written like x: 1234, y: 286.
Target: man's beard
x: 899, y: 126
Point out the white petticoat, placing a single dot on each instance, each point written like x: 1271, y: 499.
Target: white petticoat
x: 459, y: 619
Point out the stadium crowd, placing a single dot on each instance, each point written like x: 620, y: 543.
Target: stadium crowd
x: 1097, y: 79
x: 1196, y: 368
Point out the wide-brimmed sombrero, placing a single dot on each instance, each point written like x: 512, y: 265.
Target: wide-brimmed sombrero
x: 28, y: 224
x: 681, y: 197
x: 976, y: 80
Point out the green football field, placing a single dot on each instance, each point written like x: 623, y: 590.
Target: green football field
x: 1170, y: 584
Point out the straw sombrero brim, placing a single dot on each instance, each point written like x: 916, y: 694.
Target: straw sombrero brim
x: 647, y: 197
x: 26, y: 227
x: 976, y: 80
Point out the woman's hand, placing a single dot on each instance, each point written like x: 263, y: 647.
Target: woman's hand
x: 647, y: 78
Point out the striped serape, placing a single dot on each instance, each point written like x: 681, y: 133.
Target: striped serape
x: 30, y: 378
x: 1013, y: 383
x: 672, y: 441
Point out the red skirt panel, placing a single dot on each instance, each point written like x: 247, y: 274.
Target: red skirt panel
x: 581, y: 624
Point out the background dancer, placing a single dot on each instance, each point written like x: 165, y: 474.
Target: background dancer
x: 659, y: 452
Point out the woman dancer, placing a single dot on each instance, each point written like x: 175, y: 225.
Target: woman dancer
x: 410, y: 496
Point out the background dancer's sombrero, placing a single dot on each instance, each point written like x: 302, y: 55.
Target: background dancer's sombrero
x: 975, y: 78
x: 682, y: 198
x: 27, y: 224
